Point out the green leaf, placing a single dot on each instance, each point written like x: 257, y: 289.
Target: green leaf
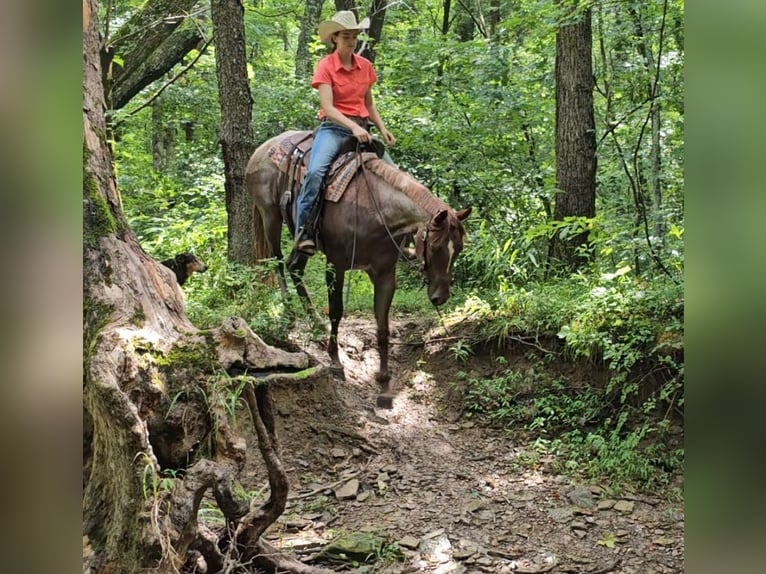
x: 609, y: 540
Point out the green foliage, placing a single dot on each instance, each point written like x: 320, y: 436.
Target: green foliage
x: 623, y: 428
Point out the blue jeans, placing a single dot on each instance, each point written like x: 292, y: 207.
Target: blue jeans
x: 324, y: 150
x: 327, y: 142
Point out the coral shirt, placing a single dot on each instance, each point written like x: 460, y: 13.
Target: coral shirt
x: 348, y: 86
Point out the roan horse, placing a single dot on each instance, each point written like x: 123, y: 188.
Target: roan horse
x: 365, y: 229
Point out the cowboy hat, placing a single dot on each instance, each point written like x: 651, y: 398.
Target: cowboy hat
x: 343, y: 20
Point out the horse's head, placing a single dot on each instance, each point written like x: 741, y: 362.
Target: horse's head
x: 437, y: 245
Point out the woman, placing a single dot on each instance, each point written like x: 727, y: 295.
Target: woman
x: 343, y: 80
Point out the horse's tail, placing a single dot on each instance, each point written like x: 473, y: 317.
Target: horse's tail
x: 260, y: 245
x: 258, y: 186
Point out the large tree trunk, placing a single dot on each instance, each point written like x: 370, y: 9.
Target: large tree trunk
x: 237, y: 137
x: 575, y: 135
x: 149, y: 44
x: 153, y: 398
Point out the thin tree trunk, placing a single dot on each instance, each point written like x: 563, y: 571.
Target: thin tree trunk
x: 237, y: 137
x: 163, y: 137
x: 377, y: 17
x: 575, y: 134
x: 652, y: 93
x: 304, y: 67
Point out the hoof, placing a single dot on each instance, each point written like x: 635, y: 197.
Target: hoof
x: 338, y: 372
x: 385, y: 402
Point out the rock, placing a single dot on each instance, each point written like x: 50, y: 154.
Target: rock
x: 465, y: 548
x: 390, y: 469
x: 435, y: 547
x: 409, y: 542
x: 663, y: 541
x: 625, y: 506
x: 362, y: 496
x: 581, y: 496
x: 605, y: 504
x: 347, y: 490
x: 562, y: 514
x: 474, y: 505
x: 337, y: 452
x: 361, y: 546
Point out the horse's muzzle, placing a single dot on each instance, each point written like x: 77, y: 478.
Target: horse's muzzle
x: 438, y: 296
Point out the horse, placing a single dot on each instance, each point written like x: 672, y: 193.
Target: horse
x: 365, y: 229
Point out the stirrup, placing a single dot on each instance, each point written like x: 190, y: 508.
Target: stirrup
x: 307, y: 246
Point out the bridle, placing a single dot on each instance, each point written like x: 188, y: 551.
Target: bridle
x: 422, y: 245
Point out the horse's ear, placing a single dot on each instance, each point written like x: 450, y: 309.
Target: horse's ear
x: 440, y: 218
x: 463, y: 213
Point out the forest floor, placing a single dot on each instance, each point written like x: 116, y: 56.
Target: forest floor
x: 454, y: 495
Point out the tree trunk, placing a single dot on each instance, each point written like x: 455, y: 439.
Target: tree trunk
x: 575, y: 135
x: 153, y: 401
x: 652, y: 93
x: 237, y: 137
x: 304, y: 68
x: 377, y: 19
x: 163, y: 137
x: 493, y: 17
x: 465, y: 25
x: 149, y: 44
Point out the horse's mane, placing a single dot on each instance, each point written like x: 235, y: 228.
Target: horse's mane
x: 408, y: 185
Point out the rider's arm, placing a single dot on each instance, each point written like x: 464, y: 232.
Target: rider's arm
x: 377, y: 120
x: 332, y: 113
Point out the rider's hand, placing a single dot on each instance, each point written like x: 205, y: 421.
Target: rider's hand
x: 388, y: 136
x: 361, y: 134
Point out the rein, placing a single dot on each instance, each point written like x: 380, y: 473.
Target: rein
x: 385, y: 225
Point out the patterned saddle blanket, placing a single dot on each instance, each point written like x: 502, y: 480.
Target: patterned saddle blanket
x: 291, y: 156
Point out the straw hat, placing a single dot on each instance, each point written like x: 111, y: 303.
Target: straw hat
x: 343, y: 20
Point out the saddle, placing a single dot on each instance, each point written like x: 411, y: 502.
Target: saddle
x: 291, y: 155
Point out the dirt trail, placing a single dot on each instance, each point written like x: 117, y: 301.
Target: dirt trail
x: 453, y: 494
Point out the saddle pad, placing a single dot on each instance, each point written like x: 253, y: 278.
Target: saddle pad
x: 339, y: 175
x: 282, y: 153
x: 342, y: 173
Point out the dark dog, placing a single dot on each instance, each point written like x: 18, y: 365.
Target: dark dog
x: 184, y: 264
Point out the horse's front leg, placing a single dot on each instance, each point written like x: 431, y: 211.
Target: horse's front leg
x: 384, y: 287
x: 334, y: 280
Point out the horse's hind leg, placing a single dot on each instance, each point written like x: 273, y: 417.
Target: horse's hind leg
x: 334, y: 280
x: 384, y: 287
x: 296, y: 264
x: 272, y: 223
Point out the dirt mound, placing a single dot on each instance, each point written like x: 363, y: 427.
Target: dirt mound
x: 455, y: 496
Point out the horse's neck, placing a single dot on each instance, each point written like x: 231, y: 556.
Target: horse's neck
x: 402, y: 213
x: 405, y: 203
